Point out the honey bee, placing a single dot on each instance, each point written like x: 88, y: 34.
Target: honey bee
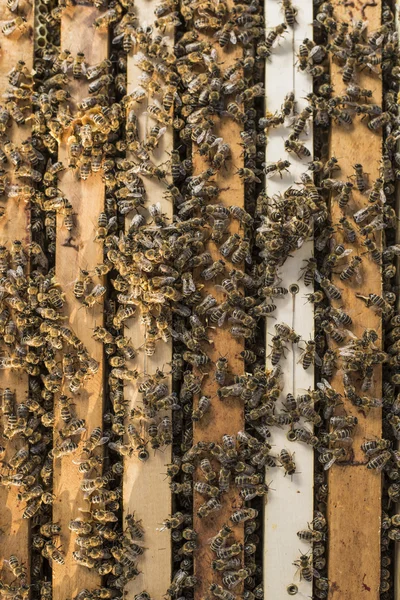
x: 300, y: 122
x: 292, y: 144
x: 310, y: 535
x: 52, y: 553
x: 377, y: 302
x: 278, y: 350
x: 352, y: 270
x: 18, y: 25
x: 244, y: 514
x: 310, y: 355
x: 307, y: 571
x: 17, y: 568
x: 379, y: 461
x: 221, y: 369
x: 271, y: 38
x: 287, y: 462
x: 290, y: 12
x: 332, y: 292
x: 219, y: 592
x: 66, y: 447
x: 203, y: 407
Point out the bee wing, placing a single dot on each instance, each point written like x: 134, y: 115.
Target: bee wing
x: 317, y: 359
x: 336, y: 320
x: 360, y: 215
x: 79, y: 461
x: 80, y: 430
x: 317, y: 276
x: 347, y: 441
x: 175, y: 334
x: 197, y: 188
x: 314, y: 51
x: 326, y: 383
x: 302, y: 356
x: 359, y: 278
x: 138, y: 93
x: 330, y: 463
x: 328, y: 412
x: 65, y: 66
x: 216, y: 142
x: 161, y: 132
x: 346, y: 252
x: 222, y: 319
x: 144, y: 78
x: 378, y: 223
x: 350, y: 334
x: 332, y: 244
x: 97, y: 289
x: 139, y: 56
x: 376, y: 403
x: 233, y: 38
x: 346, y: 352
x: 103, y: 440
x: 372, y: 451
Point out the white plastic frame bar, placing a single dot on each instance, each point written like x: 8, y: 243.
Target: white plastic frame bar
x: 290, y: 502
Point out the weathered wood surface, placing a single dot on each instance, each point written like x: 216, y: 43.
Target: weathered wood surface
x: 290, y: 502
x: 354, y: 503
x: 14, y: 225
x: 226, y: 416
x: 146, y: 489
x: 81, y: 252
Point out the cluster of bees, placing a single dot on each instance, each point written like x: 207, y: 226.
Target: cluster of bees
x: 213, y: 265
x: 20, y: 587
x: 100, y: 546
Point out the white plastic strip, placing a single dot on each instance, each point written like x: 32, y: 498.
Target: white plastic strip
x: 290, y: 502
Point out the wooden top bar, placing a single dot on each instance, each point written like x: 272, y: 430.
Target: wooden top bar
x: 226, y: 416
x: 146, y: 489
x: 14, y: 225
x: 354, y: 503
x: 81, y: 252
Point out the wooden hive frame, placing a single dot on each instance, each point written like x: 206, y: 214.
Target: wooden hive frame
x: 79, y: 251
x: 226, y: 416
x: 15, y: 225
x: 146, y: 489
x: 354, y: 502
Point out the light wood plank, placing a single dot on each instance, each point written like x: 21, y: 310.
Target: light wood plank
x: 354, y: 542
x: 290, y: 503
x: 145, y: 486
x: 14, y: 225
x: 82, y: 252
